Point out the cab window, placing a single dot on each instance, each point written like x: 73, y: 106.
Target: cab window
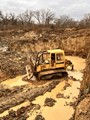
x: 59, y: 56
x: 44, y: 58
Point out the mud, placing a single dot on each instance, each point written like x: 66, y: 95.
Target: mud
x: 67, y: 85
x: 22, y: 95
x: 49, y: 102
x: 39, y: 117
x: 60, y: 95
x: 13, y: 82
x: 65, y: 94
x: 20, y: 114
x: 6, y: 91
x: 32, y: 99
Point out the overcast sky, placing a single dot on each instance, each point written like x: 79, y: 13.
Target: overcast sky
x: 73, y: 8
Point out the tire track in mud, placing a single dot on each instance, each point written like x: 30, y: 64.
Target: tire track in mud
x: 6, y: 91
x: 21, y: 113
x: 30, y: 94
x: 26, y: 94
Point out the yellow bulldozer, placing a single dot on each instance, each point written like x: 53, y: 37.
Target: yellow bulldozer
x: 48, y: 64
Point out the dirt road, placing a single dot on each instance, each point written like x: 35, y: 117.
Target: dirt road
x: 48, y: 100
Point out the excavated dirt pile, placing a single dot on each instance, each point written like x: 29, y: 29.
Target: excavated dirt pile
x: 11, y: 64
x: 49, y: 102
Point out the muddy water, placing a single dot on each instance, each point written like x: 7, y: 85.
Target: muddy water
x: 79, y: 63
x: 59, y: 110
x: 62, y: 109
x: 15, y: 82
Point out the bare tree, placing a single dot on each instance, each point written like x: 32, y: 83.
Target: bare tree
x: 1, y: 15
x: 49, y: 16
x: 85, y: 22
x: 12, y: 19
x: 37, y: 15
x: 12, y: 16
x: 65, y: 21
x: 25, y: 18
x: 21, y: 18
x: 4, y: 19
x: 44, y: 16
x: 28, y: 16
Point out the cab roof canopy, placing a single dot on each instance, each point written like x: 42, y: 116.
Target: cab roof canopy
x: 55, y: 51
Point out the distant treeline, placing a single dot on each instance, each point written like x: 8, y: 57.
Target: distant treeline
x: 40, y: 18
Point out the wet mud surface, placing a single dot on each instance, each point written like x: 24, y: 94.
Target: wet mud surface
x: 40, y: 100
x: 17, y: 95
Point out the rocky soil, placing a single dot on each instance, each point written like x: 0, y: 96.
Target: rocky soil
x: 83, y: 108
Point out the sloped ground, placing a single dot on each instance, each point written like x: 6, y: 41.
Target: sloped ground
x: 11, y: 65
x: 83, y: 108
x: 15, y: 46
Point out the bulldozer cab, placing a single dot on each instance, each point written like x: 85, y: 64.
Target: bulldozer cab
x: 50, y: 59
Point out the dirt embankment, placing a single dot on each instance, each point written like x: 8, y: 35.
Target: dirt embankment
x: 83, y: 108
x: 16, y: 46
x: 71, y: 40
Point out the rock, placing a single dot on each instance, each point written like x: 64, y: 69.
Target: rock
x: 39, y: 117
x: 49, y: 102
x: 66, y: 85
x: 12, y: 113
x: 59, y: 95
x: 37, y: 107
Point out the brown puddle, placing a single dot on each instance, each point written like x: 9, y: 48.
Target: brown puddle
x: 62, y: 109
x: 15, y: 82
x: 79, y: 63
x: 59, y: 110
